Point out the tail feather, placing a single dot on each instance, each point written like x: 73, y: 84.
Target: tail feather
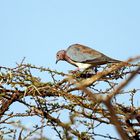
x: 114, y: 61
x: 118, y: 61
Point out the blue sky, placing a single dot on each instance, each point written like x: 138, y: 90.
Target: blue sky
x: 37, y: 29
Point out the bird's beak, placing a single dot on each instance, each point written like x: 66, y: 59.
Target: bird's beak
x: 56, y: 61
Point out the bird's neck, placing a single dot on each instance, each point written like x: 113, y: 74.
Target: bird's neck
x: 70, y: 60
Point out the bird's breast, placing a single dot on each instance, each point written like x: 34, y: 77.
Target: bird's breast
x: 82, y: 65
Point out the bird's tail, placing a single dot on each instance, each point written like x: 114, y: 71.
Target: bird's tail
x: 118, y: 61
x: 114, y: 61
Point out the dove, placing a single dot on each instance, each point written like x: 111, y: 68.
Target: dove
x: 83, y: 57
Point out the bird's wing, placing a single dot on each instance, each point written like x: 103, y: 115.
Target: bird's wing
x: 80, y: 53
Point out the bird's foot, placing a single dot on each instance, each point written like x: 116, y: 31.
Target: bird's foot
x: 75, y: 71
x: 95, y: 69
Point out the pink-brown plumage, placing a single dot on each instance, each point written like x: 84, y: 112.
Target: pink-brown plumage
x: 83, y: 56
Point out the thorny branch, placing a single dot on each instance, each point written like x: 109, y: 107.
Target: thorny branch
x: 71, y: 105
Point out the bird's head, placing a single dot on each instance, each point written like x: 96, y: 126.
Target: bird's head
x: 60, y: 55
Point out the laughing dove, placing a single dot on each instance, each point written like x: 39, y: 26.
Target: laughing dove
x: 83, y: 57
